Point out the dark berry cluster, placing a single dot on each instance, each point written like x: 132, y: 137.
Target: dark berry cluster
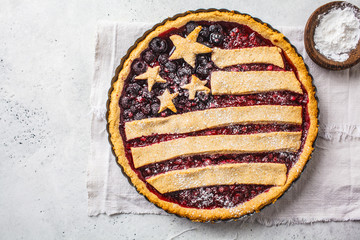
x: 138, y: 103
x: 211, y: 36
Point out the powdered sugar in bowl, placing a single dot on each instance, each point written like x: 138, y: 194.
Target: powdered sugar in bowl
x: 332, y: 35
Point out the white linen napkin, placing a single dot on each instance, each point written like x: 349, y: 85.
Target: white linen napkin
x: 329, y: 187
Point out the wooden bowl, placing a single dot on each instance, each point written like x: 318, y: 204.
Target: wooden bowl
x: 318, y: 58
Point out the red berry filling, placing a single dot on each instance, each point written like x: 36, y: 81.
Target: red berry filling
x: 216, y: 196
x: 138, y: 103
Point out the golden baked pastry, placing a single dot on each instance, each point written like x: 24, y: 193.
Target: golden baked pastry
x: 213, y: 115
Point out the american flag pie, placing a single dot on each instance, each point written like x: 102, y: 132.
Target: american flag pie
x: 212, y: 115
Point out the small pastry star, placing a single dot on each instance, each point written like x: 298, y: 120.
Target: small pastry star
x: 195, y: 85
x: 152, y: 76
x: 187, y: 48
x: 166, y: 101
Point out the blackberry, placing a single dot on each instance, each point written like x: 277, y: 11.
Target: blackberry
x: 155, y: 108
x: 139, y: 116
x: 128, y: 113
x: 147, y: 94
x: 205, y: 32
x: 163, y: 58
x: 184, y: 71
x: 170, y: 67
x: 133, y: 109
x: 146, y: 109
x: 202, y: 71
x: 125, y: 102
x: 133, y: 89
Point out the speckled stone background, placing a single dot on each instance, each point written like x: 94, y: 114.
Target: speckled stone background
x: 46, y: 67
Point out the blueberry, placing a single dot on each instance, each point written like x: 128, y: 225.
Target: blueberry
x: 158, y: 45
x: 148, y: 56
x: 200, y: 39
x: 216, y: 38
x: 190, y: 27
x: 171, y: 66
x: 215, y: 28
x: 133, y: 88
x: 204, y: 32
x: 184, y: 71
x: 163, y: 58
x: 139, y: 67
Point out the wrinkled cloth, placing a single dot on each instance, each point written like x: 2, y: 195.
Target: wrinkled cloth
x: 327, y: 190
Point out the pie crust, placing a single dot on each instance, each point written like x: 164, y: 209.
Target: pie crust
x: 253, y: 82
x: 178, y: 126
x: 225, y: 174
x: 152, y: 76
x: 212, y: 118
x: 217, y: 144
x: 187, y: 48
x: 224, y: 58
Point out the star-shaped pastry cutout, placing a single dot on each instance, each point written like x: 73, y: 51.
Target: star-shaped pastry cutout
x: 187, y: 48
x: 166, y: 101
x: 195, y: 85
x: 152, y: 76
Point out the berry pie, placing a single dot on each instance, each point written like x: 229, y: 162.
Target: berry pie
x: 212, y: 115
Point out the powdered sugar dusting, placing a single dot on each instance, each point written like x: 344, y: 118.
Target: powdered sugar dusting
x: 338, y: 33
